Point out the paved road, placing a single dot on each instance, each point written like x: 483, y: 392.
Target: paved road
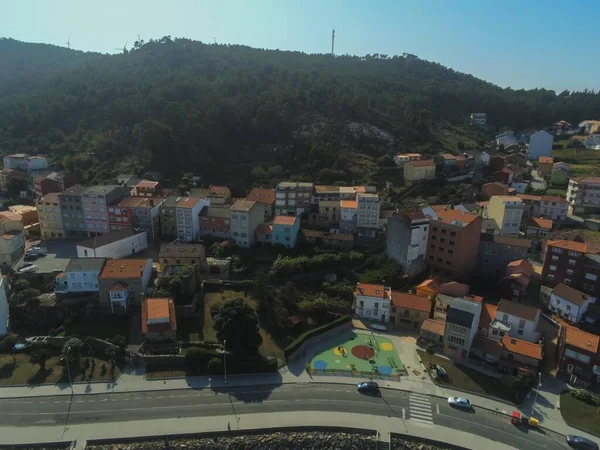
x: 314, y: 397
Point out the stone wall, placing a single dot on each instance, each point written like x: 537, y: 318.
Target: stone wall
x: 316, y: 339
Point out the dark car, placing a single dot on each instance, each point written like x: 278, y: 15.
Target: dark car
x: 368, y: 387
x: 580, y: 442
x: 30, y: 256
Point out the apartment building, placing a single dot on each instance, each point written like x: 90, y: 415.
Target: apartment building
x: 71, y: 208
x: 569, y: 303
x: 589, y: 279
x: 372, y: 301
x: 462, y: 325
x: 516, y: 320
x: 50, y: 217
x: 245, y: 217
x: 95, y: 202
x: 349, y: 216
x: 415, y: 171
x: 545, y: 164
x: 583, y: 195
x: 216, y: 221
x: 367, y: 214
x: 219, y: 195
x: 406, y: 241
x: 53, y: 182
x: 409, y: 310
x: 507, y: 213
x: 265, y: 198
x: 168, y: 217
x: 531, y: 205
x: 496, y: 252
x: 402, y: 158
x: 578, y: 355
x: 293, y: 198
x: 554, y: 207
x: 284, y: 231
x: 561, y: 262
x: 12, y: 238
x: 453, y: 243
x: 328, y: 214
x: 147, y: 188
x: 540, y: 144
x: 187, y: 211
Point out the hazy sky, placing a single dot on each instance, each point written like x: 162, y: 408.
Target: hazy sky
x: 517, y: 43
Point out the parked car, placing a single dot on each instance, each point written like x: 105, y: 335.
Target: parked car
x: 580, y: 442
x: 440, y: 371
x: 368, y: 387
x: 30, y: 256
x: 378, y: 327
x: 459, y: 402
x: 27, y: 267
x: 40, y: 251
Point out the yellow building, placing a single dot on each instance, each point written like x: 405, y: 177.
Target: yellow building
x: 507, y: 213
x: 330, y: 212
x: 419, y: 170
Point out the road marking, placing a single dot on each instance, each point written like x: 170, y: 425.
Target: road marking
x: 403, y: 414
x: 437, y: 409
x: 428, y: 422
x: 55, y: 402
x: 80, y: 401
x: 420, y: 409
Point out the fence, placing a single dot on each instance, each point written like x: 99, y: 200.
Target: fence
x: 354, y: 373
x: 317, y: 338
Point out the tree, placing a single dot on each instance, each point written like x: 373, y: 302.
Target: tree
x: 8, y: 346
x: 196, y: 358
x: 237, y: 323
x: 120, y: 342
x: 430, y: 349
x: 40, y: 356
x: 110, y: 353
x: 71, y: 351
x: 27, y: 295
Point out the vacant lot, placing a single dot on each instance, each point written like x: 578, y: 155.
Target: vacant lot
x: 268, y: 347
x: 467, y: 379
x: 583, y: 161
x: 579, y: 413
x: 23, y: 372
x: 106, y: 327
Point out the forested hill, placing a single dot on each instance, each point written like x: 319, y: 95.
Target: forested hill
x: 221, y: 111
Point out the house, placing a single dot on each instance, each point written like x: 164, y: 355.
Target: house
x: 158, y: 319
x: 479, y: 118
x: 540, y: 144
x: 4, y: 309
x: 433, y: 331
x: 328, y: 214
x: 95, y: 201
x: 123, y: 282
x: 497, y: 163
x: 453, y: 242
x: 562, y: 259
x: 560, y: 175
x: 406, y: 241
x: 180, y: 254
x: 519, y: 186
x: 147, y: 188
x: 50, y: 217
x: 372, y: 301
x: 515, y: 320
x: 428, y: 288
x: 168, y: 218
x: 560, y: 127
x: 409, y: 310
x: 505, y: 139
x: 531, y: 205
x: 29, y: 214
x: 265, y: 198
x: 582, y: 195
x: 554, y: 207
x: 504, y: 176
x: 51, y: 183
x: 519, y: 355
x: 219, y: 195
x: 569, y: 303
x: 246, y: 215
x: 293, y: 198
x: 116, y: 244
x: 137, y: 212
x: 335, y: 241
x: 488, y: 314
x: 264, y: 234
x: 578, y: 355
x: 489, y: 190
x: 545, y: 164
x: 349, y: 216
x: 462, y: 325
x: 216, y: 221
x: 187, y: 211
x: 419, y: 171
x: 590, y: 126
x: 495, y: 252
x: 516, y: 282
x: 538, y: 227
x: 506, y: 212
x: 285, y: 230
x: 367, y: 214
x: 80, y: 276
x: 23, y: 162
x: 402, y: 158
x: 441, y: 306
x: 71, y: 207
x: 12, y: 239
x: 447, y: 160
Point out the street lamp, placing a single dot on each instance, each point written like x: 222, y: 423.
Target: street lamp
x: 225, y: 359
x: 69, y: 369
x: 537, y: 391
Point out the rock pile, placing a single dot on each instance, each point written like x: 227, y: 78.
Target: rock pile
x: 401, y: 444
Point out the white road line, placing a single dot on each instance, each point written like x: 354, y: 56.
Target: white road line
x: 437, y: 409
x: 422, y: 397
x: 55, y: 402
x: 421, y: 407
x: 429, y: 422
x: 80, y: 401
x: 403, y: 414
x: 419, y: 402
x: 421, y: 413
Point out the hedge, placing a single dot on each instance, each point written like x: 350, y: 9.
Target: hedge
x: 314, y: 332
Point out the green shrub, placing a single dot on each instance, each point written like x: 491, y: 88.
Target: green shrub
x: 287, y: 265
x: 314, y: 332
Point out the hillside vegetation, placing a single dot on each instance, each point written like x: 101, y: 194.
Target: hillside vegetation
x: 242, y: 116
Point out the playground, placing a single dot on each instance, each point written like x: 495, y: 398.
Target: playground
x: 365, y: 353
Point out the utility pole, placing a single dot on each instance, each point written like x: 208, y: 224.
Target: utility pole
x: 225, y: 360
x: 332, y: 42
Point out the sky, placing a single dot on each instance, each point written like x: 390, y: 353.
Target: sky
x: 517, y: 43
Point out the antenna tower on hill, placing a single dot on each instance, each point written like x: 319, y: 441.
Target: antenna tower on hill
x: 333, y: 41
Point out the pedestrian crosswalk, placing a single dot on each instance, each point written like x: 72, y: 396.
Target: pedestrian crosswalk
x: 420, y: 409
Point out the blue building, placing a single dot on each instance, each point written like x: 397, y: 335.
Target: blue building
x: 285, y: 231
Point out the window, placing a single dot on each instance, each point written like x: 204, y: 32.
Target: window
x: 361, y: 303
x: 452, y: 233
x: 505, y: 317
x: 432, y: 247
x: 572, y: 262
x: 520, y: 332
x: 556, y: 250
x: 451, y: 252
x: 434, y: 228
x: 376, y: 306
x: 568, y: 307
x: 433, y: 238
x: 552, y: 268
x: 441, y: 249
x: 522, y: 323
x: 554, y: 258
x: 431, y: 257
x: 451, y: 242
x: 439, y: 260
x: 550, y: 276
x: 591, y: 277
x: 444, y: 231
x: 448, y: 263
x: 567, y: 281
x: 569, y: 271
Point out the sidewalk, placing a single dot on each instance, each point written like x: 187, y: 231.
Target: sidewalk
x: 384, y: 425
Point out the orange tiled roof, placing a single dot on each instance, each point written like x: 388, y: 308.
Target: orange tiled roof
x: 540, y: 223
x: 450, y: 215
x: 546, y: 159
x: 371, y: 290
x: 529, y: 349
x: 454, y: 288
x: 488, y: 313
x: 535, y: 198
x: 218, y: 190
x: 188, y: 202
x: 430, y: 283
x: 352, y: 204
x: 123, y: 268
x: 553, y: 198
x: 422, y: 163
x: 411, y: 301
x: 264, y: 229
x: 434, y: 326
x: 285, y: 220
x: 158, y: 308
x: 581, y: 339
x: 147, y: 184
x: 117, y: 287
x: 569, y: 245
x: 262, y: 195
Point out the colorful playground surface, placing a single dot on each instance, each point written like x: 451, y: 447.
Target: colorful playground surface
x: 361, y: 352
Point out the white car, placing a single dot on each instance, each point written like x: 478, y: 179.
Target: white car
x: 27, y: 267
x: 459, y: 402
x: 378, y: 327
x: 40, y: 251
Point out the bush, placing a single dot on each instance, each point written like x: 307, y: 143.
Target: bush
x: 215, y: 366
x: 52, y: 332
x: 314, y: 332
x: 286, y: 265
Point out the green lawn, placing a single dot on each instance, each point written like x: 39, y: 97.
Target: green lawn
x: 579, y: 413
x: 23, y: 372
x: 106, y: 327
x: 556, y: 191
x: 464, y: 378
x: 583, y: 161
x: 268, y: 348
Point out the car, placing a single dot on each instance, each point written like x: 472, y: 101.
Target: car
x: 378, y: 327
x: 30, y: 256
x: 40, y: 251
x: 580, y: 442
x: 441, y: 372
x: 27, y: 267
x: 459, y: 402
x: 368, y: 387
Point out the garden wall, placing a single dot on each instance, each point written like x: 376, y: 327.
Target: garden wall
x: 312, y: 337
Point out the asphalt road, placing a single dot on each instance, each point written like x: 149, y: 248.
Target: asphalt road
x: 428, y: 410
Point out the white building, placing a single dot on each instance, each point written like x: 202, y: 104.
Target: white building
x: 367, y: 217
x: 116, y: 244
x: 462, y: 325
x: 188, y: 221
x: 583, y: 195
x: 479, y: 118
x: 81, y: 275
x: 519, y: 187
x: 4, y: 309
x: 406, y: 241
x: 540, y: 144
x: 246, y: 215
x: 507, y: 213
x: 593, y: 141
x: 401, y: 158
x: 372, y: 301
x: 515, y: 320
x: 554, y: 207
x: 24, y: 162
x: 505, y: 139
x: 569, y: 303
x: 348, y: 216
